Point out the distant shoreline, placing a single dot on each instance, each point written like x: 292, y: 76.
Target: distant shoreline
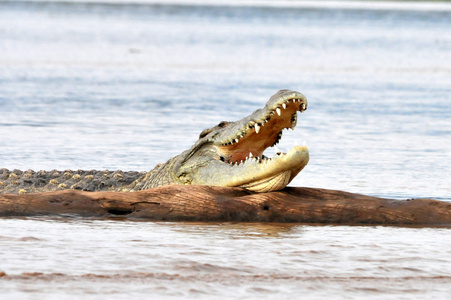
x: 423, y: 5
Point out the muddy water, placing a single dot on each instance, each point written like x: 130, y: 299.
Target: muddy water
x: 126, y: 85
x: 49, y: 258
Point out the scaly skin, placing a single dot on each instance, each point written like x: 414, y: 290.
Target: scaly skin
x: 229, y: 154
x: 17, y: 181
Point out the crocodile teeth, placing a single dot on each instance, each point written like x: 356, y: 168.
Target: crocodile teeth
x: 302, y: 107
x: 294, y: 121
x: 278, y: 111
x: 284, y: 105
x: 257, y: 128
x: 236, y: 140
x: 250, y: 155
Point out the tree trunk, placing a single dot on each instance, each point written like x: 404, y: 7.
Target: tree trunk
x: 208, y: 203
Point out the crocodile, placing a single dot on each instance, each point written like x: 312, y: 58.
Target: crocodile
x: 229, y: 154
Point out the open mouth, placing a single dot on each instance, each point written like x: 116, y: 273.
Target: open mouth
x: 263, y: 131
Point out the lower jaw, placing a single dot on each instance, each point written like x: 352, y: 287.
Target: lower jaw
x: 274, y: 183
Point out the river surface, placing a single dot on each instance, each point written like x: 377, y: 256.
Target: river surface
x: 128, y: 84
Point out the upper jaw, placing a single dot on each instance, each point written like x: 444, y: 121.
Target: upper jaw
x: 250, y: 136
x: 274, y: 108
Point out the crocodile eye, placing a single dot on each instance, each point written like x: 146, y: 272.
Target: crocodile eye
x: 207, y: 131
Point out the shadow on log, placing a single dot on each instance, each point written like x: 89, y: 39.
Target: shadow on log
x: 207, y: 203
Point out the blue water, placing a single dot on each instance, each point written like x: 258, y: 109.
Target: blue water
x: 126, y: 85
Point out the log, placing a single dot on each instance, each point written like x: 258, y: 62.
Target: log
x: 208, y: 203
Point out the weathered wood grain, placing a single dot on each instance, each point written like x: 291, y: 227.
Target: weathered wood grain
x: 208, y: 203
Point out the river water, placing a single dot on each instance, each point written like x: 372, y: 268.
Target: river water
x: 116, y: 84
